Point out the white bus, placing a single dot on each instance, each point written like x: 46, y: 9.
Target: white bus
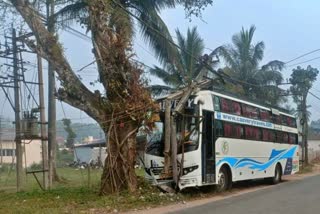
x: 227, y: 139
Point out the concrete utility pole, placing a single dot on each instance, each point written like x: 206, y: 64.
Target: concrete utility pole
x: 43, y: 124
x: 305, y: 131
x: 19, y: 150
x: 51, y: 100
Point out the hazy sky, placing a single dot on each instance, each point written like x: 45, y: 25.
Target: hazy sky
x: 289, y: 29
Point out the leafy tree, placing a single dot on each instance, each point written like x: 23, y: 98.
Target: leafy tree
x: 124, y: 103
x: 302, y: 81
x: 71, y: 134
x: 243, y: 59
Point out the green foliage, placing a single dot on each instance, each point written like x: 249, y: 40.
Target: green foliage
x: 302, y: 81
x: 185, y: 68
x: 194, y: 7
x: 71, y: 134
x: 243, y: 58
x: 64, y: 158
x: 35, y: 166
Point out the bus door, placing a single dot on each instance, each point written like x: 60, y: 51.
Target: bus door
x: 207, y: 148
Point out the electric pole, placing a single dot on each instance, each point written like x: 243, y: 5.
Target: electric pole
x: 19, y: 150
x: 43, y: 124
x: 51, y: 100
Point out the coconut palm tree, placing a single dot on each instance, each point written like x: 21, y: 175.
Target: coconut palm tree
x: 181, y: 73
x: 124, y: 15
x: 243, y: 59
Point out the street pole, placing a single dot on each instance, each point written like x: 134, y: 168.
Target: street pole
x: 17, y: 112
x: 306, y: 157
x: 51, y: 100
x: 43, y: 124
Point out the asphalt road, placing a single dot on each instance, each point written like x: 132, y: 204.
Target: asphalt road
x: 301, y: 197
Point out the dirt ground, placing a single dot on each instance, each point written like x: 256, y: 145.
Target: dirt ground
x: 238, y: 189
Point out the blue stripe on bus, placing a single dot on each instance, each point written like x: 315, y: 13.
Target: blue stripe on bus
x: 253, y: 164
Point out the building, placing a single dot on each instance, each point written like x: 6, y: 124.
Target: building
x: 93, y: 152
x: 31, y: 149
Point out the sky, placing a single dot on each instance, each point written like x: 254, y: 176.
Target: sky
x: 289, y: 28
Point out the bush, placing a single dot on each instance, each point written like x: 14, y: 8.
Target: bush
x: 64, y: 158
x: 5, y: 167
x: 35, y: 167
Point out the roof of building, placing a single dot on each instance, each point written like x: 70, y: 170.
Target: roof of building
x: 94, y: 144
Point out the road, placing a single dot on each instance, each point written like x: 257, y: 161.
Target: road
x: 302, y: 196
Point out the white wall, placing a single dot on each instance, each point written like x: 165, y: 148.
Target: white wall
x: 86, y: 154
x: 31, y: 151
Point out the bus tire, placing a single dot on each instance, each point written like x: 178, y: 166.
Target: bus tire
x: 277, y: 178
x: 224, y: 182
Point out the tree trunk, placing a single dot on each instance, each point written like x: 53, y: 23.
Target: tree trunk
x: 119, y: 172
x: 167, y: 160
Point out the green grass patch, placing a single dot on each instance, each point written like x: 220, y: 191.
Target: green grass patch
x: 73, y: 195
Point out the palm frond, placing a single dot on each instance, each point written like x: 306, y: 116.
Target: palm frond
x: 76, y: 10
x: 172, y: 78
x: 160, y: 90
x: 156, y: 33
x: 274, y: 65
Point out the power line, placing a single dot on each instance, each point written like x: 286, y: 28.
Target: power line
x: 303, y: 62
x: 303, y: 55
x: 315, y: 96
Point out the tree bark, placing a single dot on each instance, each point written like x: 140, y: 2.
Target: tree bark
x: 119, y: 172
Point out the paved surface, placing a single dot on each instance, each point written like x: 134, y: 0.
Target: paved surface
x: 301, y: 197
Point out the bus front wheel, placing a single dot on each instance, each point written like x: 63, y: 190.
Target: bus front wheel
x: 224, y: 180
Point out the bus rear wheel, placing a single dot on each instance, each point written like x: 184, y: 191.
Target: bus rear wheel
x: 277, y: 178
x: 224, y: 180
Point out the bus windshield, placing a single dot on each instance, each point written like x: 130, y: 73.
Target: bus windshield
x: 187, y: 134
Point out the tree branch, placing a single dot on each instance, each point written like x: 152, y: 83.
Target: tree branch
x: 52, y: 51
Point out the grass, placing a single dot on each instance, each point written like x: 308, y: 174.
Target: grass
x: 74, y: 196
x: 306, y: 169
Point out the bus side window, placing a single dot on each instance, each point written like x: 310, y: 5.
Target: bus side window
x: 277, y: 119
x: 250, y: 111
x: 216, y: 103
x: 292, y: 139
x: 265, y: 115
x: 279, y: 137
x: 236, y: 108
x: 285, y: 138
x: 219, y: 128
x: 225, y: 105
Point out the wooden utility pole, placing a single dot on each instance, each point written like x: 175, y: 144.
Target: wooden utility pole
x: 43, y: 124
x: 19, y: 168
x: 52, y: 117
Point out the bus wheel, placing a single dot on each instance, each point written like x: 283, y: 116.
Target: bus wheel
x: 223, y: 182
x: 277, y: 175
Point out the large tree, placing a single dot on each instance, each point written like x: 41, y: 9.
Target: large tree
x: 243, y: 58
x: 302, y: 81
x: 123, y: 105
